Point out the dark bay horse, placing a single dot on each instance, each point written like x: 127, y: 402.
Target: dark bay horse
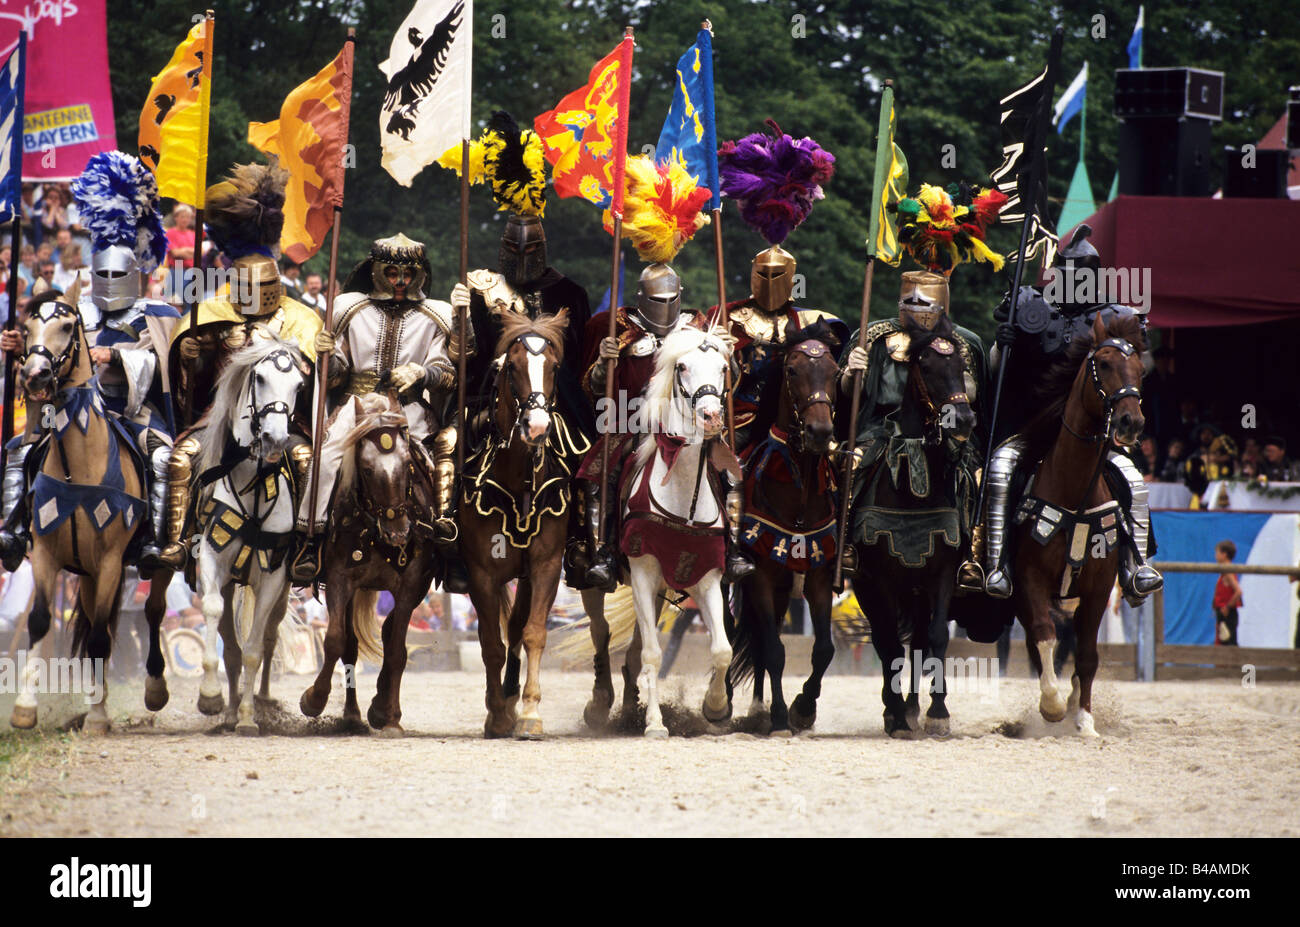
x: 87, y: 504
x: 790, y: 524
x: 1066, y: 537
x: 909, y: 517
x: 513, y: 517
x: 378, y: 539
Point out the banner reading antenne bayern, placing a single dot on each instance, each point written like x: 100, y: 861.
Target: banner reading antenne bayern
x: 68, y: 114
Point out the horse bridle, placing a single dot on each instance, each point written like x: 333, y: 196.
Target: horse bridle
x: 933, y: 410
x: 71, y: 354
x: 283, y: 362
x: 1108, y: 400
x: 707, y: 389
x: 372, y: 512
x: 535, y: 345
x: 813, y: 349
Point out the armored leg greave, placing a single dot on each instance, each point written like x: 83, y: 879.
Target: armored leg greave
x: 446, y: 534
x: 997, y: 516
x: 13, y: 532
x: 1137, y: 578
x: 179, y: 472
x: 160, y: 467
x: 738, y: 563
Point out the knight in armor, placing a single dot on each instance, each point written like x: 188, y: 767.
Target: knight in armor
x: 245, y: 216
x: 525, y: 283
x: 387, y: 335
x: 885, y: 361
x: 641, y: 330
x: 1042, y: 331
x: 118, y: 201
x: 759, y: 322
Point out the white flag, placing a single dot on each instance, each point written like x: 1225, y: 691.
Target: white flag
x: 426, y: 106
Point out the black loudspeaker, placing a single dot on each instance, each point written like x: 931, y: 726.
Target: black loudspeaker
x: 1150, y: 92
x: 1164, y: 156
x: 1266, y: 180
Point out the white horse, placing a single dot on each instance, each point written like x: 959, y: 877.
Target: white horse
x: 674, y: 520
x: 246, y: 506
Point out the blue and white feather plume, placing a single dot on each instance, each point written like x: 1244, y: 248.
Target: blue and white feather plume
x: 118, y: 199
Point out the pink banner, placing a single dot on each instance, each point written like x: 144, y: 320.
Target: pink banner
x: 68, y: 111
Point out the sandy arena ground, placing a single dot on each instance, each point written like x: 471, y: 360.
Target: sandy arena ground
x: 1174, y: 758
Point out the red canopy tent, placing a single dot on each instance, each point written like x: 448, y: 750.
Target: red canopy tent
x: 1212, y: 261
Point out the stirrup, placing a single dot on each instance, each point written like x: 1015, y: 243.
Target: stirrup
x: 998, y: 584
x: 600, y: 571
x: 738, y: 566
x: 307, y: 564
x: 173, y: 556
x: 971, y: 576
x: 445, y: 531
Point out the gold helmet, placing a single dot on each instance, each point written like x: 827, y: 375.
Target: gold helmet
x: 256, y: 290
x: 245, y: 216
x: 923, y: 298
x: 771, y: 278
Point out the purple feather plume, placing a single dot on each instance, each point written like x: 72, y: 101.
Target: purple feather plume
x: 775, y: 179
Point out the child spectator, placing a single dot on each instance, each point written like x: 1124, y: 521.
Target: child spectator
x: 1170, y: 472
x: 1227, y: 597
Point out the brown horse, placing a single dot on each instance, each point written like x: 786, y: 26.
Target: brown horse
x: 1066, y: 539
x: 88, y: 504
x: 379, y: 538
x: 513, y: 517
x: 790, y: 525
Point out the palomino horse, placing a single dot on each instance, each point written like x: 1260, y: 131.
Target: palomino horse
x: 1066, y: 535
x: 790, y: 524
x: 513, y: 518
x: 378, y: 538
x: 87, y: 504
x: 245, y: 507
x: 674, y: 525
x: 909, y: 512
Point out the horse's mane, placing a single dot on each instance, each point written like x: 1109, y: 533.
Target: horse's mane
x: 378, y: 410
x: 227, y: 404
x: 1053, y: 389
x: 551, y: 327
x: 659, y: 392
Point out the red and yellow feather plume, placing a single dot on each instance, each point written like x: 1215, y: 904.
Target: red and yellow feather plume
x: 943, y: 228
x: 662, y: 207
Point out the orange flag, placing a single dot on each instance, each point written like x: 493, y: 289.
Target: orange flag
x: 586, y: 134
x: 173, y: 124
x: 310, y: 138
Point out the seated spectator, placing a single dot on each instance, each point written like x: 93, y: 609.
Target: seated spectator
x: 70, y: 268
x: 1216, y: 462
x: 1147, y: 456
x: 1171, y: 469
x: 1275, y: 465
x: 53, y: 213
x: 27, y: 269
x: 1251, y: 453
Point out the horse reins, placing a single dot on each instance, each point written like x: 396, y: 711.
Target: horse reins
x: 1109, y: 401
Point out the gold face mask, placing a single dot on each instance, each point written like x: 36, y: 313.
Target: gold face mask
x: 256, y: 290
x: 923, y: 298
x: 771, y: 279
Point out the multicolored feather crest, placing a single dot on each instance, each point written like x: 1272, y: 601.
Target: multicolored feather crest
x: 775, y: 178
x: 118, y: 200
x: 509, y: 158
x: 943, y: 228
x: 662, y: 207
x: 244, y: 213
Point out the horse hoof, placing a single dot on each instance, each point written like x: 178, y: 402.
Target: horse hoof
x: 803, y: 713
x: 351, y: 714
x: 1085, y: 725
x: 266, y: 703
x: 211, y: 704
x: 528, y: 729
x: 392, y: 732
x: 23, y: 718
x: 656, y: 733
x: 378, y: 720
x: 155, y: 693
x: 494, y: 731
x: 938, y: 727
x: 716, y: 715
x: 596, y: 715
x: 512, y: 708
x: 897, y: 728
x: 1052, y: 709
x: 247, y: 729
x: 95, y: 727
x: 308, y: 704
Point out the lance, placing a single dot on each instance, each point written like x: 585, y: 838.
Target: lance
x: 1037, y: 179
x: 616, y: 209
x: 884, y: 156
x: 463, y: 312
x: 323, y: 362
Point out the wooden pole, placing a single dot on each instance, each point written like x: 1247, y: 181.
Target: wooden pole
x: 461, y: 365
x: 205, y: 96
x: 847, y: 489
x: 609, y: 379
x: 11, y: 322
x: 724, y: 321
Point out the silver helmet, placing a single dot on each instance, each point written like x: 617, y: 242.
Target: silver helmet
x: 659, y: 299
x: 114, y: 278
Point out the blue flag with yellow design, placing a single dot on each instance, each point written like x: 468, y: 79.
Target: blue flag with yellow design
x: 689, y: 128
x: 12, y: 74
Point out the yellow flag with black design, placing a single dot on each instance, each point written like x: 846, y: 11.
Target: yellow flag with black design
x: 173, y: 139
